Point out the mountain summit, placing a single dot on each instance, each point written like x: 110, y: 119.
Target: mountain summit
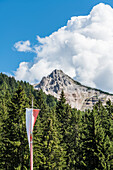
x: 77, y: 95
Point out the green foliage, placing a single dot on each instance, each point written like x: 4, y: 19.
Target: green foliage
x: 14, y: 137
x: 95, y: 139
x: 64, y: 138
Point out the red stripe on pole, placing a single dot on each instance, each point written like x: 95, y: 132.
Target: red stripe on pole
x: 31, y: 153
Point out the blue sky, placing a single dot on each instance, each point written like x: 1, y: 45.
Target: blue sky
x: 23, y: 20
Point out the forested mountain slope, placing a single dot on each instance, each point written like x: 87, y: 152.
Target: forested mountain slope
x: 64, y: 138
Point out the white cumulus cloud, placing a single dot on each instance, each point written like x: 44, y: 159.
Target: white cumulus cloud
x: 23, y: 46
x: 83, y: 49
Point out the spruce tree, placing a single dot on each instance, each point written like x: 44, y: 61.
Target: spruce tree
x: 15, y: 131
x: 64, y: 115
x: 95, y: 144
x: 4, y: 100
x: 74, y: 142
x: 47, y: 151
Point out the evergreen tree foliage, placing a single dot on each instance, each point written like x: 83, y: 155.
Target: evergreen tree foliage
x: 63, y: 112
x: 14, y: 137
x: 95, y: 142
x: 64, y: 138
x: 3, y: 136
x: 75, y: 153
x: 48, y: 153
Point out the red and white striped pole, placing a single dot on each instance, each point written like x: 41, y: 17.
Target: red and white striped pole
x: 31, y: 153
x: 31, y: 141
x: 31, y: 116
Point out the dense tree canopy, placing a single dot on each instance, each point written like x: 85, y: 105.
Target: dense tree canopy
x: 64, y: 138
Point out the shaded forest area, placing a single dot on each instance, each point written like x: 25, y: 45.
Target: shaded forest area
x: 64, y: 138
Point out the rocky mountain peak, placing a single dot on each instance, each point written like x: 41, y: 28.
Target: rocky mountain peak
x: 77, y: 95
x: 56, y: 73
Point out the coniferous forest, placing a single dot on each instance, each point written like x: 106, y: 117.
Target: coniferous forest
x: 63, y: 139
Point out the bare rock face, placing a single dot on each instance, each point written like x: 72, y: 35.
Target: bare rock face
x: 77, y: 95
